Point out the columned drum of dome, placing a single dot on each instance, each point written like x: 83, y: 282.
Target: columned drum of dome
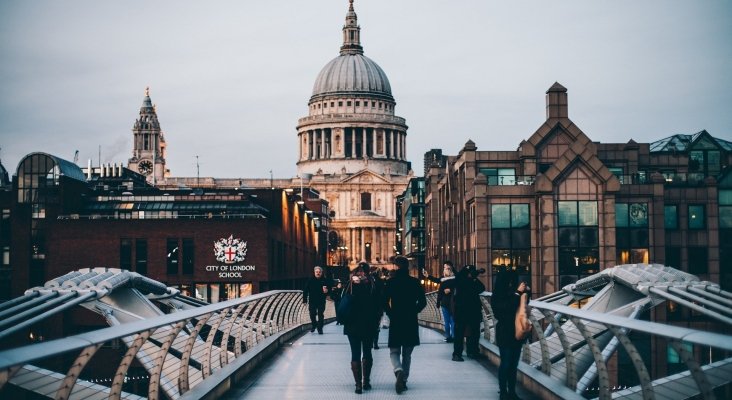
x: 351, y: 122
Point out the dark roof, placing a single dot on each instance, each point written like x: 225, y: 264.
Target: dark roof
x: 682, y: 142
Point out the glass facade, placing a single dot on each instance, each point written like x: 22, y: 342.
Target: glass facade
x: 696, y: 217
x: 578, y: 234
x: 631, y: 233
x: 511, y: 238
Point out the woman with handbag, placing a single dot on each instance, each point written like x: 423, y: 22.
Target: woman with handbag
x: 506, y: 301
x: 360, y: 323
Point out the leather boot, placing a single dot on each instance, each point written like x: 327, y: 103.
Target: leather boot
x: 367, y: 373
x: 356, y: 369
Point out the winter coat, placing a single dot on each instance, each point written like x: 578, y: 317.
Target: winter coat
x: 504, y: 307
x: 468, y: 308
x: 313, y: 291
x: 403, y: 300
x: 446, y: 299
x: 365, y: 311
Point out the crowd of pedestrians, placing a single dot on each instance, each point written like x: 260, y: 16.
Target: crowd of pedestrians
x: 399, y: 297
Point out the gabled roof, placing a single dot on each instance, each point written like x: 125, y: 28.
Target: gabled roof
x: 683, y: 142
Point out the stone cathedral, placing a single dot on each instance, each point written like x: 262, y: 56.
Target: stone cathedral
x: 352, y: 151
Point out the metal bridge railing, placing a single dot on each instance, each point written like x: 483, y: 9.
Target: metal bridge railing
x: 600, y: 355
x: 179, y: 350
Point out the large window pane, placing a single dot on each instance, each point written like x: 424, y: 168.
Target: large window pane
x: 725, y: 197
x: 501, y: 238
x: 587, y: 213
x: 172, y: 257
x: 621, y: 215
x: 725, y: 217
x: 588, y: 237
x: 670, y: 217
x: 568, y: 237
x: 696, y: 217
x: 521, y: 239
x: 519, y: 215
x: 567, y: 213
x: 698, y: 260
x: 500, y: 258
x: 501, y: 216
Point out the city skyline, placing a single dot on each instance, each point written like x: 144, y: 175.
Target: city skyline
x: 230, y: 83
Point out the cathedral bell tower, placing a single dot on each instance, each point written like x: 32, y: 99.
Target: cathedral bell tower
x: 148, y: 149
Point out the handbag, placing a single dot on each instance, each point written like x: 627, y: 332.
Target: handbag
x: 345, y: 307
x: 523, y: 326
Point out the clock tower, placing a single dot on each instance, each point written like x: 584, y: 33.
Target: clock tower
x: 148, y: 148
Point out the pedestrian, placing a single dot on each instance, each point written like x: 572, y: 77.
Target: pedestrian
x: 468, y: 312
x: 445, y: 297
x: 361, y: 325
x: 314, y: 294
x: 507, y: 293
x: 403, y: 300
x: 379, y: 285
x: 336, y: 293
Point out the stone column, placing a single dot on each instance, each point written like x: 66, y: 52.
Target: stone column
x: 352, y: 245
x: 311, y: 147
x: 399, y: 145
x: 361, y: 251
x: 374, y: 136
x: 392, y: 144
x: 363, y: 143
x: 322, y: 144
x: 353, y: 142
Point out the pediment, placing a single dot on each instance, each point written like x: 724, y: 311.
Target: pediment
x: 366, y: 176
x: 576, y: 156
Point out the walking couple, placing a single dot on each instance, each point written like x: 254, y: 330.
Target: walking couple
x: 402, y: 298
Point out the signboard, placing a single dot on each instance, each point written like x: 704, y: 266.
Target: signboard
x: 231, y: 251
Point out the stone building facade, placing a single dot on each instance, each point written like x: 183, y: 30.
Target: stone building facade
x: 561, y: 206
x: 353, y: 152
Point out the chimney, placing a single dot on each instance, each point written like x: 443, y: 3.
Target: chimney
x: 556, y: 102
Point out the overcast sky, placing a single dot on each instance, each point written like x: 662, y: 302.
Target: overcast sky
x: 231, y: 78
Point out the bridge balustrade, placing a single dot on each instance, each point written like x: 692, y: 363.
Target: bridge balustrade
x: 587, y: 354
x: 190, y: 353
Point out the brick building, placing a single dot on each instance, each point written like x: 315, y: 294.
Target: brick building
x: 561, y: 206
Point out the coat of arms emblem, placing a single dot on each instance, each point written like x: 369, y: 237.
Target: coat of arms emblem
x: 230, y: 250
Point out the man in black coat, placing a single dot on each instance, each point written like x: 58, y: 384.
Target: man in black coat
x: 468, y: 312
x: 314, y: 293
x: 403, y: 300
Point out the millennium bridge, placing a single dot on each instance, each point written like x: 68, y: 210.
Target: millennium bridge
x: 592, y: 339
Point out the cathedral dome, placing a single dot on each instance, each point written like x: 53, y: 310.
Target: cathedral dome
x: 349, y: 74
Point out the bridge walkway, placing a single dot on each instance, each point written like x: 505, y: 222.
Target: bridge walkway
x: 316, y: 367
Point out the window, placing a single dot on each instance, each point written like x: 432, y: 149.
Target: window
x: 358, y: 104
x: 188, y: 256
x: 631, y: 233
x: 173, y: 255
x: 698, y: 260
x: 340, y: 104
x: 725, y: 209
x: 696, y: 217
x: 578, y: 235
x: 6, y: 256
x: 499, y: 176
x: 325, y: 105
x: 332, y: 103
x: 141, y: 256
x: 125, y: 254
x: 671, y: 217
x: 511, y: 238
x: 618, y: 172
x: 348, y: 103
x: 365, y: 201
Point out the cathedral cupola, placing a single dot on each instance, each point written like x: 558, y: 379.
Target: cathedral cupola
x: 351, y: 33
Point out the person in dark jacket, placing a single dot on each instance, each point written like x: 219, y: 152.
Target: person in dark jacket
x: 445, y: 301
x: 505, y: 302
x: 362, y: 323
x: 403, y: 300
x: 314, y: 294
x: 468, y: 312
x: 379, y: 285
